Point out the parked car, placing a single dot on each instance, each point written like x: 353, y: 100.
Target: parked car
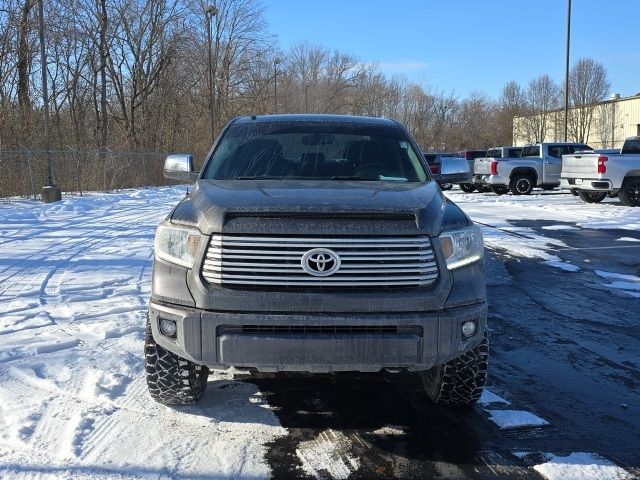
x: 594, y: 176
x: 482, y: 165
x: 316, y: 243
x: 538, y: 165
x: 470, y: 156
x: 448, y: 169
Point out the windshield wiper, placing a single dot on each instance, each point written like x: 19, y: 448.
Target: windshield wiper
x: 351, y: 177
x: 259, y: 177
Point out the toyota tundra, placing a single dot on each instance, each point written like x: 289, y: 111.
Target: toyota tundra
x: 315, y: 243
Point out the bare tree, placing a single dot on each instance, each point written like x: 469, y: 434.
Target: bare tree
x: 588, y: 85
x: 511, y: 103
x: 543, y: 96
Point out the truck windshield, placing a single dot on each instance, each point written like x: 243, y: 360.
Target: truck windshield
x: 532, y: 151
x: 315, y: 150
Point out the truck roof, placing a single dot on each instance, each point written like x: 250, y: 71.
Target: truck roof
x: 315, y: 117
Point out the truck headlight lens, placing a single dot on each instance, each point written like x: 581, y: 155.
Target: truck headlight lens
x: 177, y: 245
x: 462, y: 247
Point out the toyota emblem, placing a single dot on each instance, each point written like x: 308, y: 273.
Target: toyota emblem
x: 320, y: 262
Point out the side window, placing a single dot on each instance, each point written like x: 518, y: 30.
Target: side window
x: 554, y: 151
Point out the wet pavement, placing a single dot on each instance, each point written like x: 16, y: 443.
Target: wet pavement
x: 564, y: 347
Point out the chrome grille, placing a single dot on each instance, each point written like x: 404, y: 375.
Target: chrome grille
x: 238, y: 260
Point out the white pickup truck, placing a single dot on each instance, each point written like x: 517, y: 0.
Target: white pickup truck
x: 538, y: 165
x: 595, y: 176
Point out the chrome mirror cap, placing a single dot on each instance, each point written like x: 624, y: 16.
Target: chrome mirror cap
x: 180, y: 167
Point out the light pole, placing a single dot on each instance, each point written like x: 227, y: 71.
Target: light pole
x: 566, y: 72
x: 211, y: 12
x: 50, y: 192
x: 276, y: 62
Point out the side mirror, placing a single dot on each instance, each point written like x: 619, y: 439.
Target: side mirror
x: 180, y: 167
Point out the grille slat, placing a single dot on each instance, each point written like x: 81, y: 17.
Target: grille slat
x: 276, y: 261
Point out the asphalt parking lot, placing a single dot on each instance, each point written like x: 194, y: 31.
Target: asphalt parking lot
x: 568, y: 355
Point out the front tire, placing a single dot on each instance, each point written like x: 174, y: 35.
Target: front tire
x: 459, y: 382
x: 500, y: 189
x: 172, y: 380
x: 629, y: 194
x: 467, y: 187
x: 446, y: 186
x: 521, y: 184
x: 592, y: 197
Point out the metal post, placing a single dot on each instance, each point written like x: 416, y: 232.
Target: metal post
x: 276, y: 62
x: 566, y: 73
x: 211, y: 12
x: 51, y: 192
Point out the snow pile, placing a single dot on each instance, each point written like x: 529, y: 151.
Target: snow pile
x: 508, y: 419
x: 489, y: 397
x: 74, y: 285
x: 328, y: 454
x: 580, y: 466
x: 629, y: 284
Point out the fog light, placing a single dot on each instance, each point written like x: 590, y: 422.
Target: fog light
x: 168, y: 327
x: 469, y: 329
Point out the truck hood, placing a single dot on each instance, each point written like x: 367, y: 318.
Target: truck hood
x: 314, y: 207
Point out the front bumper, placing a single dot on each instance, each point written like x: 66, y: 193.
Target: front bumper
x: 318, y: 342
x: 588, y: 184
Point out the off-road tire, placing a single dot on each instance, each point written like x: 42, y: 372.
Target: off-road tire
x: 500, y: 189
x: 446, y: 186
x: 521, y: 184
x: 467, y: 187
x: 629, y: 194
x: 592, y: 197
x: 459, y: 382
x: 172, y: 380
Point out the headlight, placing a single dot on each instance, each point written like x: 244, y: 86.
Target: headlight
x: 462, y: 247
x: 177, y: 245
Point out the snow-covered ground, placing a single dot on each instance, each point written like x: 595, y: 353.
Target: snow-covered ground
x: 74, y: 282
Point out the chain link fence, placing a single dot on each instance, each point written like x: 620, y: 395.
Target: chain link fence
x: 23, y: 172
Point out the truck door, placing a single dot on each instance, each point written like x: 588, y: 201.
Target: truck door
x: 552, y: 164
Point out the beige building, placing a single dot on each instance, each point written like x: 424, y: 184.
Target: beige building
x: 602, y: 125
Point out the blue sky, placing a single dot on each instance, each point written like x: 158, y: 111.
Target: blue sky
x: 464, y: 45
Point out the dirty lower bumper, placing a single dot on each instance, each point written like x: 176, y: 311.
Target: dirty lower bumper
x: 318, y: 342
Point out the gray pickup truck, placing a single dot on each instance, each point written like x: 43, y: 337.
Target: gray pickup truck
x: 316, y: 243
x: 448, y: 169
x: 538, y: 165
x: 594, y: 176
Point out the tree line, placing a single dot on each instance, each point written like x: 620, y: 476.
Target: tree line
x: 134, y: 75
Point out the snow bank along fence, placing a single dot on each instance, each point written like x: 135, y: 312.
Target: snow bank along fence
x: 23, y: 172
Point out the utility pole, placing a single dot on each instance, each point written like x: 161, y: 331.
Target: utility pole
x: 566, y: 72
x: 211, y: 12
x: 50, y: 192
x: 276, y: 62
